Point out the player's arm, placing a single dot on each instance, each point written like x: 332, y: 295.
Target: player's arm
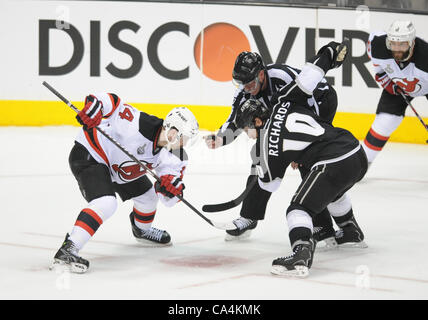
x: 171, y: 172
x: 328, y: 57
x: 270, y: 170
x: 228, y: 132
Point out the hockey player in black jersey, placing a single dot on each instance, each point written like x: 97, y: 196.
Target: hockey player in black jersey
x: 400, y: 64
x: 266, y: 83
x: 334, y: 158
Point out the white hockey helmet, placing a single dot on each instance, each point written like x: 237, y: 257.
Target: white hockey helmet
x: 183, y: 120
x: 401, y: 31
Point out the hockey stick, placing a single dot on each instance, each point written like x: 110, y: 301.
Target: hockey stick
x: 232, y: 203
x: 218, y: 225
x: 414, y: 110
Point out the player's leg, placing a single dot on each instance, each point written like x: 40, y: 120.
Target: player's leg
x: 323, y: 232
x: 300, y: 232
x: 145, y: 199
x: 389, y: 115
x: 320, y: 187
x: 253, y: 209
x: 96, y: 187
x: 350, y: 233
x: 142, y: 217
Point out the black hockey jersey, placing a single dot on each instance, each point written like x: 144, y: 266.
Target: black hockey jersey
x: 278, y: 76
x: 294, y: 133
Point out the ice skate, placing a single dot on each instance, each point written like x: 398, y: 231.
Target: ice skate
x: 325, y: 238
x: 67, y: 259
x: 350, y: 235
x: 151, y: 237
x: 298, y: 263
x: 242, y: 231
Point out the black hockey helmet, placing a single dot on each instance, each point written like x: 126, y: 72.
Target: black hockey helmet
x: 247, y: 67
x: 250, y: 110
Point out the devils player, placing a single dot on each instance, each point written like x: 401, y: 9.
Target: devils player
x: 400, y: 63
x: 102, y: 170
x: 266, y: 83
x: 292, y: 132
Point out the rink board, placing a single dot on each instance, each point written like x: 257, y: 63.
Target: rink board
x: 160, y: 55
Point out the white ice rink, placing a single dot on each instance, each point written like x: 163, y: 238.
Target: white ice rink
x: 40, y: 201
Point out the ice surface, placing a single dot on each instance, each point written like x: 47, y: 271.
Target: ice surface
x: 40, y: 201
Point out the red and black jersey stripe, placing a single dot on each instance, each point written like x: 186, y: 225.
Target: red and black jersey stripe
x: 115, y: 101
x: 92, y: 138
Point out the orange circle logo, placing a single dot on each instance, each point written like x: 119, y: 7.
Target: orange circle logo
x: 219, y: 44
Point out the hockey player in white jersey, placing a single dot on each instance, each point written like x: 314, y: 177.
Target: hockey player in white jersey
x: 400, y: 63
x: 102, y: 170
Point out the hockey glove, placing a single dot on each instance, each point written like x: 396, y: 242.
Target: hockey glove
x: 91, y: 115
x: 170, y: 186
x: 388, y: 84
x: 336, y: 53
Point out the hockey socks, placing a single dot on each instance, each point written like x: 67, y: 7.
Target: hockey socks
x: 143, y: 220
x: 91, y: 218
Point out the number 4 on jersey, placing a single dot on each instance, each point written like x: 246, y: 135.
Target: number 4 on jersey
x: 126, y: 114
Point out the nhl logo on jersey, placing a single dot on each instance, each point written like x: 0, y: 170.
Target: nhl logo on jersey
x: 141, y: 149
x: 388, y: 69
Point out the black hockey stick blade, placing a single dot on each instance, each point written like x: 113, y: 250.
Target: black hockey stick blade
x: 232, y: 203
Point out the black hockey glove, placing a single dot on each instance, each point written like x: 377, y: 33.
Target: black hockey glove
x: 332, y: 55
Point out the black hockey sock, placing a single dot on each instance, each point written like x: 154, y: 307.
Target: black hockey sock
x: 322, y: 219
x: 343, y: 220
x: 299, y: 233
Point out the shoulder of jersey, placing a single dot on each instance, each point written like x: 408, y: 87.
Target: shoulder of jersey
x: 377, y: 46
x: 279, y: 66
x: 150, y: 126
x: 420, y: 54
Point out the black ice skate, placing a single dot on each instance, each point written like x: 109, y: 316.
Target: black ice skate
x: 152, y: 236
x: 325, y: 238
x: 243, y: 229
x: 67, y: 258
x: 298, y: 263
x: 350, y: 235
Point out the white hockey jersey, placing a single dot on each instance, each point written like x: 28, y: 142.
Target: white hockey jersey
x: 412, y: 75
x: 138, y: 133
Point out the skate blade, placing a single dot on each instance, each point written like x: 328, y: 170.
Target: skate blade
x: 298, y: 272
x: 150, y: 244
x: 60, y: 266
x: 243, y: 236
x: 354, y: 245
x: 327, y: 245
